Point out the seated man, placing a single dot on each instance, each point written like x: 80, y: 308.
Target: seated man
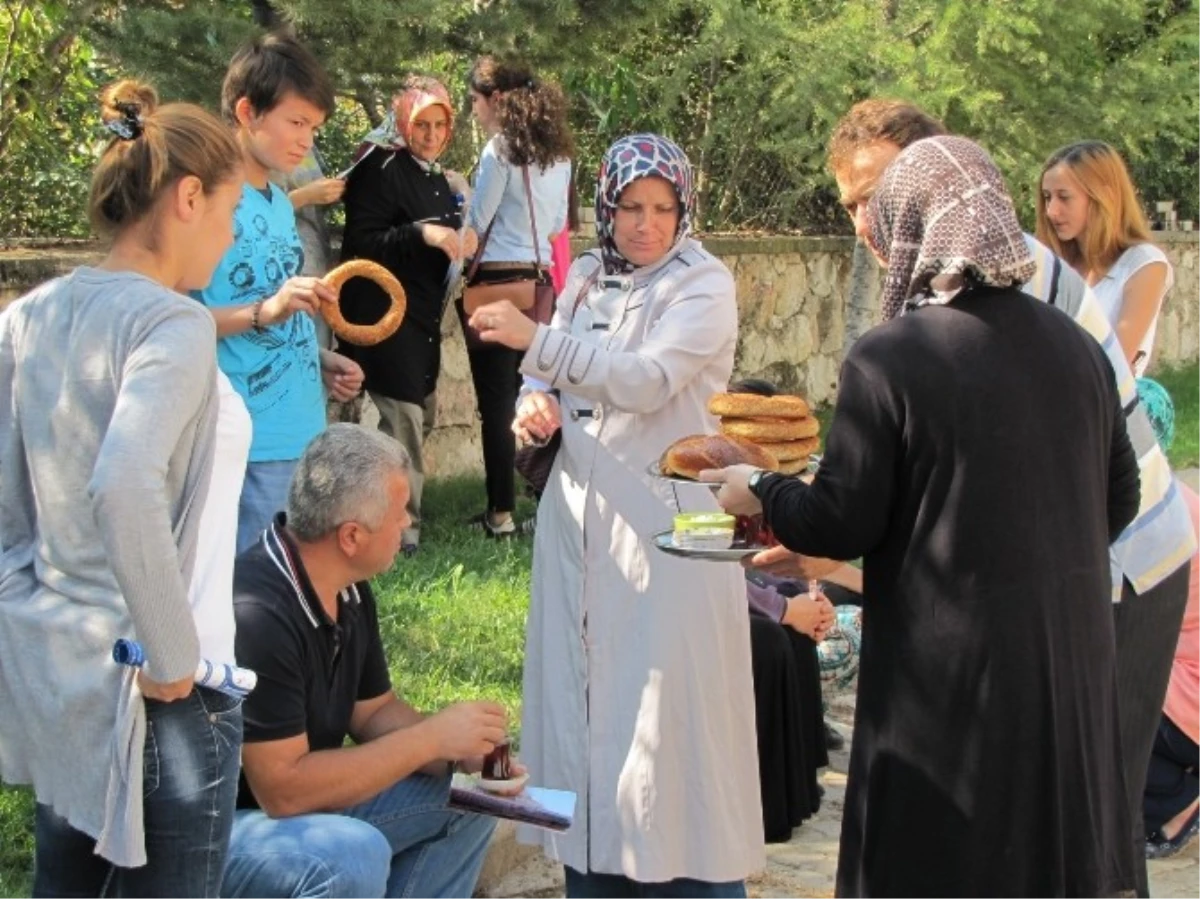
x: 318, y: 816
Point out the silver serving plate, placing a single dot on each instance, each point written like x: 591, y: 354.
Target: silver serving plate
x: 665, y: 540
x: 655, y: 471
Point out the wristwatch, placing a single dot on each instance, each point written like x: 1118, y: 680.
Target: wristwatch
x: 755, y: 479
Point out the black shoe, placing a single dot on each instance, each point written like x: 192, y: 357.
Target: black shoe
x: 1158, y: 846
x: 409, y: 550
x: 833, y: 740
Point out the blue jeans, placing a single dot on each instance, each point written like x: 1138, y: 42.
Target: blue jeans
x: 617, y: 886
x: 264, y: 492
x: 402, y: 842
x: 190, y: 778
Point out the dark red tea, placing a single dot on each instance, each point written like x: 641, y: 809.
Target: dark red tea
x: 497, y: 764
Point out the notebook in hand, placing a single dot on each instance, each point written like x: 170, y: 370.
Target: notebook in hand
x: 539, y: 806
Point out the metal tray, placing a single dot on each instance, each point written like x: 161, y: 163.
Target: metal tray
x: 665, y: 541
x: 655, y: 472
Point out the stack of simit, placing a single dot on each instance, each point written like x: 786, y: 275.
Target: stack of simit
x: 782, y: 425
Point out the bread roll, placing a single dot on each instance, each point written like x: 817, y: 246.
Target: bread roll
x: 793, y: 466
x: 687, y: 457
x: 793, y: 449
x: 767, y: 430
x: 751, y: 405
x: 364, y: 335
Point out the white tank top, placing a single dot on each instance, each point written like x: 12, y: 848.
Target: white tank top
x: 1110, y: 292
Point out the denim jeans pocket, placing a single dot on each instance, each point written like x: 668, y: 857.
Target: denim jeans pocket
x: 198, y: 734
x: 224, y: 713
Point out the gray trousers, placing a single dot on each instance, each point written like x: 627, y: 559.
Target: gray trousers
x: 409, y: 424
x: 1147, y: 630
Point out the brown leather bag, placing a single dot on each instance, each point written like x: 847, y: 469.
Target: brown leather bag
x: 521, y: 292
x: 527, y: 294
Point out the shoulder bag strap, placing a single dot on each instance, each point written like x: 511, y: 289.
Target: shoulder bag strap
x: 537, y: 253
x: 470, y: 275
x: 1056, y: 273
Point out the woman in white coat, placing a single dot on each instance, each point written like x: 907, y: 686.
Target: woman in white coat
x: 637, y: 692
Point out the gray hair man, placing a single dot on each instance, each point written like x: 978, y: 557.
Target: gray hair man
x: 320, y: 814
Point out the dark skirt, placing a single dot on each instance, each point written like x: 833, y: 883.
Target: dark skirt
x: 791, y: 747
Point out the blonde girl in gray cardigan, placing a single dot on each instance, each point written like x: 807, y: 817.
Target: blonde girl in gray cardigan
x: 107, y: 431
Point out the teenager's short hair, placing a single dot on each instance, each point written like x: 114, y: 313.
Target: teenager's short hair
x: 876, y: 120
x: 268, y: 68
x: 152, y: 148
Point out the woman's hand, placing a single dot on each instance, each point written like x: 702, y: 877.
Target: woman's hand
x: 502, y: 322
x: 734, y: 496
x: 165, y: 692
x: 470, y: 243
x: 782, y: 562
x: 318, y: 193
x: 810, y: 615
x: 343, y: 378
x: 442, y: 238
x: 538, y: 417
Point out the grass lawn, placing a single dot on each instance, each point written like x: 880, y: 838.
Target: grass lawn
x: 453, y: 617
x: 1183, y: 384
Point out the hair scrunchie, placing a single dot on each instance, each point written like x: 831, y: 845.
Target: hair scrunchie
x: 129, y: 126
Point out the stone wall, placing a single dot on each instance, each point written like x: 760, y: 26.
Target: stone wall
x: 803, y: 301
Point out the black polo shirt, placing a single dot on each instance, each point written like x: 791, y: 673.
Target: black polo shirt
x: 311, y: 669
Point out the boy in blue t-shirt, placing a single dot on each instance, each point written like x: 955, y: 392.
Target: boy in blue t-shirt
x: 276, y: 95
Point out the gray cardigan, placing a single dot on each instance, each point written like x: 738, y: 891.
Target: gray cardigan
x: 108, y: 410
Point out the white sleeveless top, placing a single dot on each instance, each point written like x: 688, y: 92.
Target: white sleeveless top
x: 211, y: 589
x: 1110, y: 292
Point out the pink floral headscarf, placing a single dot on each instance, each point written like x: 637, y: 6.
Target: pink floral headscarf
x: 394, y: 131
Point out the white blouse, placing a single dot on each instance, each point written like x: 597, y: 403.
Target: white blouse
x: 211, y: 589
x: 1110, y: 292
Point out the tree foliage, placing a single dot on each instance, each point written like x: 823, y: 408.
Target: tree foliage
x: 48, y: 80
x: 751, y: 88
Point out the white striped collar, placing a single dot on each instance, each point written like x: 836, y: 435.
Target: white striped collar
x: 281, y: 554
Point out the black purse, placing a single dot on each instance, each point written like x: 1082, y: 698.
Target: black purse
x: 534, y: 461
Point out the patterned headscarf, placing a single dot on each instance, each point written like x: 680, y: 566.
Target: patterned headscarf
x: 630, y: 158
x: 394, y: 131
x: 941, y: 208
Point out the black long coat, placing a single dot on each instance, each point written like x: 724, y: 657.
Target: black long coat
x: 387, y: 196
x: 979, y: 464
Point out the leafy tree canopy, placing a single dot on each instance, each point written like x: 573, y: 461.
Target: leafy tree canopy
x: 751, y: 88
